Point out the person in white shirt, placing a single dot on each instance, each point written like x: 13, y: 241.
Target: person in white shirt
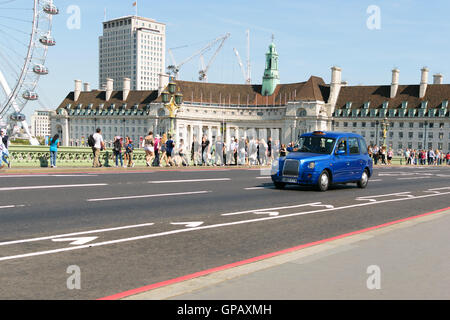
x: 98, y: 146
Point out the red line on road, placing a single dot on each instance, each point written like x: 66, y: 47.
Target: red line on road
x: 262, y: 257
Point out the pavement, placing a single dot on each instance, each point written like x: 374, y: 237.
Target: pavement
x: 404, y: 260
x: 124, y: 232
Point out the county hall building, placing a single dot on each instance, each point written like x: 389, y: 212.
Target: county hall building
x: 417, y: 114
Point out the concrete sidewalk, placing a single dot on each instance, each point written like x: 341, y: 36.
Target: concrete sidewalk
x: 404, y: 260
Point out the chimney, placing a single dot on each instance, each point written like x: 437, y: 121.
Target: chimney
x: 109, y: 88
x: 87, y: 87
x: 77, y: 90
x: 437, y: 78
x: 394, y: 84
x: 163, y: 82
x: 335, y: 87
x: 423, y: 82
x: 126, y: 88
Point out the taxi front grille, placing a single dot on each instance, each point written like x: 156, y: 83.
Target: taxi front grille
x: 290, y: 168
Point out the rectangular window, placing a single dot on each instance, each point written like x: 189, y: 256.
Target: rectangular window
x: 353, y: 145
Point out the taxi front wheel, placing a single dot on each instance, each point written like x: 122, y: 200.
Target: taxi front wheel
x: 324, y: 181
x: 279, y: 185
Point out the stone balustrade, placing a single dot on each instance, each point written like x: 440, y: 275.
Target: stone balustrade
x: 39, y: 156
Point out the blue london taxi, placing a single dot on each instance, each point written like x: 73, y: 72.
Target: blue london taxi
x: 323, y: 158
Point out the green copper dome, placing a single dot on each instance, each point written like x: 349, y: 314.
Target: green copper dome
x: 271, y: 77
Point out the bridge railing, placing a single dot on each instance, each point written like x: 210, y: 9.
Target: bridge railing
x: 39, y: 156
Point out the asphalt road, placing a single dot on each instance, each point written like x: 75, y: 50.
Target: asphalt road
x: 124, y: 230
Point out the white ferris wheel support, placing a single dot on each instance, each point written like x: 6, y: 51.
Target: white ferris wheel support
x: 8, y: 91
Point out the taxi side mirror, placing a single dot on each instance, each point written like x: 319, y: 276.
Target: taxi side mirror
x: 289, y: 149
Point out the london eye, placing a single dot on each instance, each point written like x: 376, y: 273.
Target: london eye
x: 25, y: 38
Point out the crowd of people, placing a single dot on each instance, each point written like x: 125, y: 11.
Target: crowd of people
x: 164, y: 151
x: 384, y: 155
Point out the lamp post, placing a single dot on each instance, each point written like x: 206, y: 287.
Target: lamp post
x: 172, y: 101
x: 377, y: 123
x: 385, y: 127
x: 425, y: 137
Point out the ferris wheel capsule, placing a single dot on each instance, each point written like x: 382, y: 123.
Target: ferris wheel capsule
x: 47, y: 40
x: 50, y: 8
x: 17, y: 116
x: 40, y: 69
x: 30, y: 95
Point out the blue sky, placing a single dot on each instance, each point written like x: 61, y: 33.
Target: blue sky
x: 311, y: 36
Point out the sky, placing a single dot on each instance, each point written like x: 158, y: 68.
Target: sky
x: 367, y: 39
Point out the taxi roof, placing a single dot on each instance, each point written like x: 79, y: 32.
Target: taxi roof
x: 331, y: 134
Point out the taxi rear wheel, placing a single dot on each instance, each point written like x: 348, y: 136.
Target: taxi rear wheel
x: 362, y: 183
x: 324, y: 181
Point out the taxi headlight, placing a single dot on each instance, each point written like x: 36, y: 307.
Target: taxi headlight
x: 275, y: 167
x: 311, y: 165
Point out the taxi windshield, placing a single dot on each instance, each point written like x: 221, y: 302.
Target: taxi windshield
x: 313, y: 144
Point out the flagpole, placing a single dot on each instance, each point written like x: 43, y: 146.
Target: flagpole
x: 136, y: 8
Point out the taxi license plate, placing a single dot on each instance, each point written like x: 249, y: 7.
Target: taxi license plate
x: 289, y: 180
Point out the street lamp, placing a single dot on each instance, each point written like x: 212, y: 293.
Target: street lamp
x: 172, y: 101
x: 385, y: 127
x: 377, y: 123
x: 425, y: 136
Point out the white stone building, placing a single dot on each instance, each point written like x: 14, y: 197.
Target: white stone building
x: 418, y: 114
x: 40, y: 123
x: 132, y: 47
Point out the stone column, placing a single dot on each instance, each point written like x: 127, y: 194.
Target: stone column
x: 210, y: 133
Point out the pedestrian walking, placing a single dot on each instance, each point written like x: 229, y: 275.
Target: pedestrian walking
x: 182, y: 152
x: 96, y: 141
x: 170, y: 145
x: 117, y: 150
x: 54, y: 144
x: 149, y: 148
x: 157, y: 147
x: 129, y: 148
x: 163, y: 150
x: 4, y: 146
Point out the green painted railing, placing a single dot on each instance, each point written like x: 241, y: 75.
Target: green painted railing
x: 39, y: 156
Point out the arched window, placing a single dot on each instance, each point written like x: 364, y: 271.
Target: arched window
x: 301, y: 112
x: 161, y: 112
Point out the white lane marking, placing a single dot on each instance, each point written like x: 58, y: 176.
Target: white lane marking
x: 264, y: 177
x: 191, y: 180
x: 270, y: 213
x: 329, y: 206
x: 375, y: 180
x: 192, y: 224
x: 54, y: 186
x: 76, y: 234
x: 148, y: 196
x: 267, y: 209
x: 443, y: 188
x: 7, y: 207
x: 76, y: 241
x: 149, y: 236
x: 398, y: 194
x: 413, y: 178
x: 254, y: 188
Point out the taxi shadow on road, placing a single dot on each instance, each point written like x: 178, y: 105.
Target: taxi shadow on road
x: 296, y: 187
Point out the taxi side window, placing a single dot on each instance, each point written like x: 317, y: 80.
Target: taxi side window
x: 342, y: 145
x: 363, y: 146
x: 353, y: 145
